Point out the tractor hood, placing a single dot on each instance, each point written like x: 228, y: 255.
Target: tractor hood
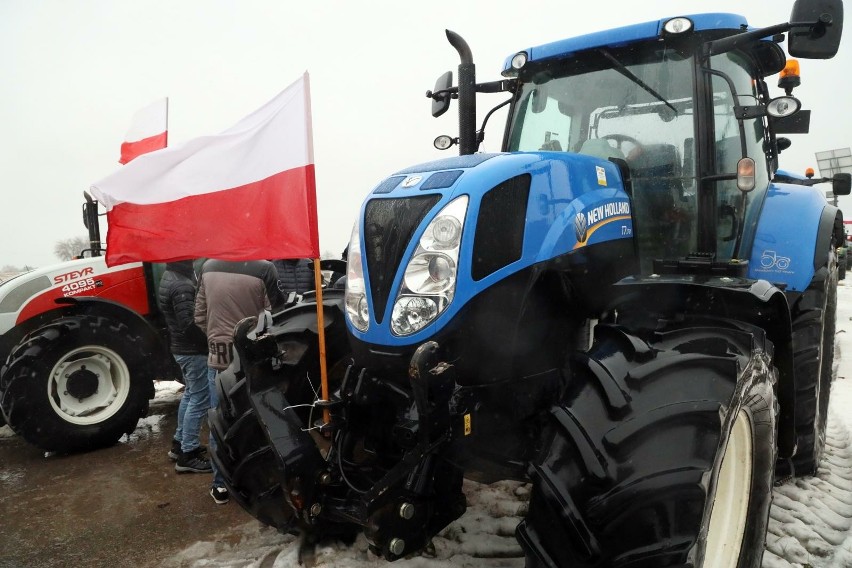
x: 433, y: 236
x: 37, y: 291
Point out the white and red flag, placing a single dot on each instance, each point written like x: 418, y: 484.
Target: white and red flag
x: 247, y: 193
x: 148, y: 131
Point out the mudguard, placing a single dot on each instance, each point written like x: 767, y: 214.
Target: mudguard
x: 756, y: 302
x: 793, y: 235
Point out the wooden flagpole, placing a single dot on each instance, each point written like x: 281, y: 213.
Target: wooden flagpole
x: 326, y: 415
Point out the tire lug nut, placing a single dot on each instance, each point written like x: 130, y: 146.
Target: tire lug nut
x: 396, y: 546
x: 406, y: 511
x: 316, y: 509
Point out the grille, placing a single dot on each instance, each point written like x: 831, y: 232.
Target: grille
x: 388, y: 226
x: 499, y: 235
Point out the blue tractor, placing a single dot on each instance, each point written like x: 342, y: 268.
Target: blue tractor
x: 622, y: 308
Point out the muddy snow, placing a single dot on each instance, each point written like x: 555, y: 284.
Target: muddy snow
x: 810, y: 519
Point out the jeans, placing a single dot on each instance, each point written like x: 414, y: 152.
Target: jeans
x: 194, y: 402
x: 218, y: 480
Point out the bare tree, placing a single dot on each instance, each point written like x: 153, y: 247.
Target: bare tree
x: 69, y: 248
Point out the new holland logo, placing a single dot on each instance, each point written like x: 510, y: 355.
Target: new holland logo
x: 411, y: 181
x: 580, y: 227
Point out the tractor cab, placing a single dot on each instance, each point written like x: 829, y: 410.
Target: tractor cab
x: 689, y: 127
x: 683, y: 106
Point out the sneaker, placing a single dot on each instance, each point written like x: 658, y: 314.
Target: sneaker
x: 220, y: 495
x: 192, y: 462
x: 174, y: 453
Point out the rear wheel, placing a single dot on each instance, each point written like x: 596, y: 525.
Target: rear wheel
x: 814, y: 322
x: 76, y: 384
x: 660, y: 453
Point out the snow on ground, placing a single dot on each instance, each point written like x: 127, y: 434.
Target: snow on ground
x: 810, y: 520
x: 6, y: 432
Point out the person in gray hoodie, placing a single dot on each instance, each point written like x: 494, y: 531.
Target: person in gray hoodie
x: 228, y: 292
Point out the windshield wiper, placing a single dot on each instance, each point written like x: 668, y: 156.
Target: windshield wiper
x: 619, y: 66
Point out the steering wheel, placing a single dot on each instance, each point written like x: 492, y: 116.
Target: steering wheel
x: 620, y: 139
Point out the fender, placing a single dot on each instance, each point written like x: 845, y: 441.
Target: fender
x: 155, y: 339
x: 754, y: 301
x: 303, y: 316
x: 793, y: 234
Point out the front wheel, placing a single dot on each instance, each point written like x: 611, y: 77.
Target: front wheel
x: 282, y: 366
x: 76, y: 384
x: 660, y: 453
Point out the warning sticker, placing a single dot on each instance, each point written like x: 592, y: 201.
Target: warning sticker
x: 601, y: 175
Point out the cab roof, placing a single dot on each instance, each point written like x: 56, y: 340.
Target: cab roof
x: 626, y: 35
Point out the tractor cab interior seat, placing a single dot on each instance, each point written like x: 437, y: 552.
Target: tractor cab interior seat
x: 600, y: 148
x: 656, y: 171
x: 660, y: 207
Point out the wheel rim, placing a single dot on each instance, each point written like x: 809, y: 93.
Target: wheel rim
x: 88, y: 385
x: 733, y: 491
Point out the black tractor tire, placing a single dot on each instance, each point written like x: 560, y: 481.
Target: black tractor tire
x: 660, y: 453
x: 76, y: 384
x: 243, y: 453
x: 842, y: 261
x: 814, y: 317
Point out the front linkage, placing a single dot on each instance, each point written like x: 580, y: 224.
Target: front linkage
x: 380, y: 467
x: 386, y: 464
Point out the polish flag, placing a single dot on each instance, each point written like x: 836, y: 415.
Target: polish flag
x: 248, y: 193
x: 148, y: 131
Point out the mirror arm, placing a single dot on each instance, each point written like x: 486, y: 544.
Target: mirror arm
x: 452, y: 92
x: 730, y: 43
x: 502, y: 86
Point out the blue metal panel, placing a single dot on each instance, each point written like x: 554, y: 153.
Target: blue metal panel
x: 575, y: 201
x: 628, y: 34
x: 789, y: 174
x: 786, y: 237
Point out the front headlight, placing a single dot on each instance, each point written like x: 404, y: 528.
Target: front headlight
x: 429, y: 283
x: 357, y: 309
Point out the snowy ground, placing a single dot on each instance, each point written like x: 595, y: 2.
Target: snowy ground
x: 810, y: 520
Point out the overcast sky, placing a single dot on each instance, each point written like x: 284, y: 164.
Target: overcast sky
x: 75, y: 71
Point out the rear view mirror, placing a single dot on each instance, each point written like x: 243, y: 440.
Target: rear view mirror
x: 821, y: 39
x: 841, y: 184
x: 441, y: 96
x: 539, y: 101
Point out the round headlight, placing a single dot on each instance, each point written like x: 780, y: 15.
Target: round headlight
x: 363, y: 309
x: 783, y: 106
x: 446, y: 231
x: 519, y: 60
x: 443, y: 142
x: 412, y: 313
x: 430, y: 273
x: 678, y: 25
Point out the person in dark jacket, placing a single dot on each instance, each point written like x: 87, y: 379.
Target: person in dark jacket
x: 227, y: 293
x: 188, y: 345
x: 294, y: 275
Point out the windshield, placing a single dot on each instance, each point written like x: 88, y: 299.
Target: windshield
x: 633, y: 104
